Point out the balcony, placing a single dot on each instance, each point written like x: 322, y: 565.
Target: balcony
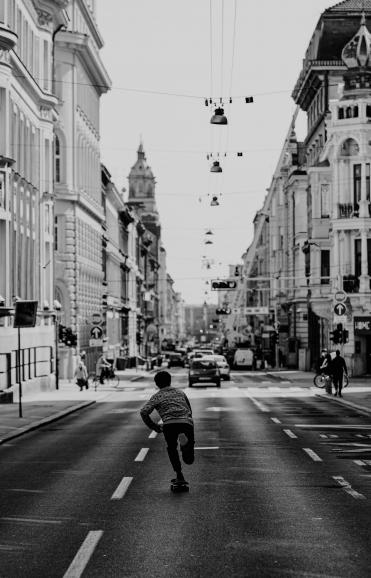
x: 348, y: 210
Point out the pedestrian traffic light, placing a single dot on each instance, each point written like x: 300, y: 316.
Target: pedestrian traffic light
x: 274, y: 337
x: 334, y: 336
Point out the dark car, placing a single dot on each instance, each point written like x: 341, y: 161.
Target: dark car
x: 203, y: 370
x: 175, y: 360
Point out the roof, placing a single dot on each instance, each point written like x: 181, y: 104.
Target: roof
x: 351, y: 6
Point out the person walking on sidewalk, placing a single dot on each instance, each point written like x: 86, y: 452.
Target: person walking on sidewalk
x: 176, y: 413
x: 338, y: 368
x: 81, y: 375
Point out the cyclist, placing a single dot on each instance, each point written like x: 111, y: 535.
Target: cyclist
x: 102, y: 368
x: 326, y: 368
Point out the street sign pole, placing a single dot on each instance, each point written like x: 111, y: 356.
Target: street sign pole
x: 20, y: 413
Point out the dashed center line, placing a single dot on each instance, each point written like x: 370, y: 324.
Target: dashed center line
x: 290, y: 433
x: 152, y: 435
x: 275, y: 420
x: 121, y: 489
x: 315, y: 457
x: 348, y: 488
x: 258, y: 404
x: 141, y: 455
x: 84, y: 554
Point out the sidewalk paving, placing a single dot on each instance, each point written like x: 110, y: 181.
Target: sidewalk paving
x: 45, y: 407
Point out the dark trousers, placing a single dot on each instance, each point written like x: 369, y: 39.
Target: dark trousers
x: 337, y: 380
x: 171, y: 433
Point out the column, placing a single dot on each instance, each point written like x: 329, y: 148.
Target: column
x: 363, y: 203
x: 364, y: 278
x: 336, y: 263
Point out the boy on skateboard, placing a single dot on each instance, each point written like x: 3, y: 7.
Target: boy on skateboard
x: 176, y: 413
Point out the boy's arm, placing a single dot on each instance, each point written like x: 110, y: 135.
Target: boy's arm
x: 144, y: 413
x: 188, y: 402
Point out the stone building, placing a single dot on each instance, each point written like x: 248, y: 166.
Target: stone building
x: 28, y: 111
x: 318, y: 218
x: 80, y: 80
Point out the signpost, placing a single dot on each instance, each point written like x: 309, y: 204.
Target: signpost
x: 96, y: 319
x: 96, y: 332
x: 340, y: 309
x: 24, y: 316
x: 340, y: 296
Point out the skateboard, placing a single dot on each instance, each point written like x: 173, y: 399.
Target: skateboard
x: 176, y: 486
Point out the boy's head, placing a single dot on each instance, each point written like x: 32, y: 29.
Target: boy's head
x: 162, y: 379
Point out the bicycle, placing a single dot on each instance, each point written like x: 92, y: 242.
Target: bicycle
x: 109, y: 378
x: 322, y: 380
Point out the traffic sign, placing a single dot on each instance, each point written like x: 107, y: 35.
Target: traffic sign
x: 96, y: 319
x: 340, y: 309
x: 340, y: 296
x: 224, y: 285
x: 25, y: 314
x: 95, y: 342
x: 96, y: 332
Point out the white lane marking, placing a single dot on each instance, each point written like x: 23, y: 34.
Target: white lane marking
x: 274, y: 388
x: 359, y: 462
x: 207, y: 448
x: 24, y: 490
x: 291, y: 434
x: 258, y: 404
x: 275, y: 420
x: 348, y: 488
x: 141, y: 455
x: 121, y: 488
x: 332, y: 426
x: 323, y: 436
x: 31, y: 520
x: 80, y: 561
x: 315, y: 457
x: 266, y: 382
x: 160, y: 422
x: 152, y: 435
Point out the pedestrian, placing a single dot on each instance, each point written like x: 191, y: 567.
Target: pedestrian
x: 176, y: 413
x: 338, y: 367
x: 326, y: 368
x: 102, y: 367
x: 81, y: 375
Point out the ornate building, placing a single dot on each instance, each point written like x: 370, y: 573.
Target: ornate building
x: 80, y: 80
x: 28, y: 111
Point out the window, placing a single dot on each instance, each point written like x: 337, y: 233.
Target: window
x: 357, y: 176
x: 56, y: 233
x: 325, y: 267
x: 325, y: 200
x: 57, y: 159
x: 368, y: 181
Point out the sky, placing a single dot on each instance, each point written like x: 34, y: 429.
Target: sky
x: 164, y: 58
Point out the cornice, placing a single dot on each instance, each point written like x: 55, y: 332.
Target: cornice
x: 23, y: 76
x: 84, y: 46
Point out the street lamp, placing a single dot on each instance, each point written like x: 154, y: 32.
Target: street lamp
x: 57, y: 309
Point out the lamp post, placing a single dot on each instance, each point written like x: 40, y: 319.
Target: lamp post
x: 57, y: 308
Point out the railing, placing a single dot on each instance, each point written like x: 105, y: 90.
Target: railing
x: 348, y: 210
x: 34, y: 362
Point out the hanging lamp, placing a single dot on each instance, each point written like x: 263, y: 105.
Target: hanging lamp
x: 219, y: 117
x: 216, y: 168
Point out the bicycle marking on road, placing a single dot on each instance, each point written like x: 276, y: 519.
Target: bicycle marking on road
x: 153, y: 435
x: 80, y: 561
x: 257, y: 403
x: 290, y: 434
x: 121, y: 489
x: 315, y: 457
x: 346, y: 486
x: 275, y: 420
x: 141, y: 455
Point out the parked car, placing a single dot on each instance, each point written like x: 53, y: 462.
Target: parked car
x: 202, y: 352
x: 203, y: 370
x: 224, y: 369
x: 175, y: 360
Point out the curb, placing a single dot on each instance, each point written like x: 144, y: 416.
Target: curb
x: 360, y: 408
x: 45, y: 421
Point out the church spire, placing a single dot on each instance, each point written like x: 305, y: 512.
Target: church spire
x: 356, y: 56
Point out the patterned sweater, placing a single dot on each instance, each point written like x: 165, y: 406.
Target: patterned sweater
x: 171, y: 404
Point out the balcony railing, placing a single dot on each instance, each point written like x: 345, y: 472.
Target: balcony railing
x: 348, y: 210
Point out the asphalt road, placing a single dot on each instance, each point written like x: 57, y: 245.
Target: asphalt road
x: 280, y: 487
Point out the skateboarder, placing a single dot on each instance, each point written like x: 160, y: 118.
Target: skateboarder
x: 176, y: 413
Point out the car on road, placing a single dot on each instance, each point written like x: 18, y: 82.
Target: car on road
x: 175, y: 360
x: 203, y: 370
x: 224, y: 369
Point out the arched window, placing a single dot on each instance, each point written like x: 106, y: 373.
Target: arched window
x: 57, y: 160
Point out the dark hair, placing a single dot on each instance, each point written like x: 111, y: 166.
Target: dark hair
x: 162, y: 379
x: 338, y: 352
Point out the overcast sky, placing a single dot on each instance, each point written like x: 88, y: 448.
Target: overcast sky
x: 235, y: 49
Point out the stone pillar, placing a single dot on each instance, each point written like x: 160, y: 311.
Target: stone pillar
x: 364, y: 278
x: 336, y: 263
x: 363, y: 203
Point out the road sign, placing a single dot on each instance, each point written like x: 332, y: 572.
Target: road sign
x: 96, y: 332
x: 256, y: 310
x: 340, y: 296
x: 95, y: 342
x: 340, y: 309
x: 223, y: 285
x: 25, y: 314
x: 96, y: 319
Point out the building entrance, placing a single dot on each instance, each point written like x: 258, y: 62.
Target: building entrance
x: 368, y: 354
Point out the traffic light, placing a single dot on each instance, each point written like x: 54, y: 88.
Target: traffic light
x: 62, y: 333
x: 70, y: 338
x: 274, y: 337
x: 340, y: 333
x: 223, y: 311
x: 334, y: 336
x: 345, y: 336
x: 104, y: 300
x: 223, y: 285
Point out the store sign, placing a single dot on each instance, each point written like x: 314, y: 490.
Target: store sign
x: 362, y: 325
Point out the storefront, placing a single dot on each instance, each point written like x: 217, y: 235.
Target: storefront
x: 362, y: 344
